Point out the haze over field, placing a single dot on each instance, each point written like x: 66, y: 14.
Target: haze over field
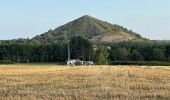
x: 22, y: 19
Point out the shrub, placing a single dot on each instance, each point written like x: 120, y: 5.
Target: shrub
x: 78, y: 63
x: 6, y: 62
x: 149, y: 63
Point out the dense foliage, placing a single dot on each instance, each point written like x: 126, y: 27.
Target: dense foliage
x: 140, y: 51
x: 83, y: 49
x: 35, y: 53
x: 101, y: 56
x: 80, y: 49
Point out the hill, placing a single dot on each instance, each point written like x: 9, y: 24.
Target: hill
x: 88, y: 27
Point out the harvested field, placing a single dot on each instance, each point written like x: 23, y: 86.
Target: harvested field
x: 54, y: 82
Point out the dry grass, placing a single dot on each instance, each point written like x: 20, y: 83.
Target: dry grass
x: 28, y: 82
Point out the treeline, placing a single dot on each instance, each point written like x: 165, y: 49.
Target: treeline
x: 81, y: 48
x: 35, y: 53
x: 140, y: 51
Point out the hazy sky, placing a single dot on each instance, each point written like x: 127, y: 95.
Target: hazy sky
x: 27, y: 18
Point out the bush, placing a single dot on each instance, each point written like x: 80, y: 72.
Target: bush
x: 149, y: 63
x: 6, y: 62
x: 78, y: 63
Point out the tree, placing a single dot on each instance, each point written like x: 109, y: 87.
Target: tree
x: 101, y: 56
x: 136, y: 56
x: 167, y: 52
x: 81, y: 48
x: 147, y: 52
x: 158, y: 54
x: 1, y: 56
x: 119, y: 54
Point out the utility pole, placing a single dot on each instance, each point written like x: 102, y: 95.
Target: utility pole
x: 66, y: 38
x: 68, y: 50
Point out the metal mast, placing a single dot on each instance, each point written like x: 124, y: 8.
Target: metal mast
x: 68, y: 50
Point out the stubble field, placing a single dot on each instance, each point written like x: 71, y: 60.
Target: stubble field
x: 54, y: 82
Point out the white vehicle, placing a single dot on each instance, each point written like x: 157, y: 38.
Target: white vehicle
x: 71, y: 62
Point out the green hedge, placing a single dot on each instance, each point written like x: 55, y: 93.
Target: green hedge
x: 6, y: 62
x: 149, y: 63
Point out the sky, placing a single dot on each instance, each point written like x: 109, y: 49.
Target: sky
x: 28, y: 18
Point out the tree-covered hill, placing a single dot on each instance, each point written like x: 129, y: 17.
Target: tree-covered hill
x: 93, y: 29
x: 90, y: 28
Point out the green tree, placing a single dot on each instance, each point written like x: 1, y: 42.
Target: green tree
x: 101, y: 56
x: 119, y: 54
x: 1, y: 56
x: 167, y: 52
x: 81, y: 48
x: 136, y: 56
x: 147, y: 53
x: 158, y: 54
